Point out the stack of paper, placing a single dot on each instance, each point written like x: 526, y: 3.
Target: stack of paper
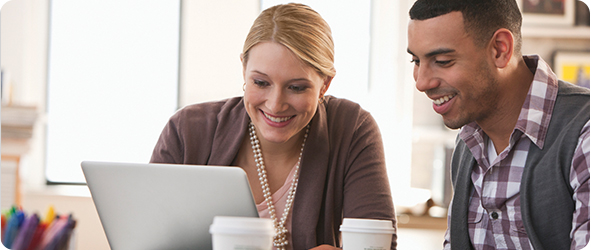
x: 18, y: 121
x: 30, y: 232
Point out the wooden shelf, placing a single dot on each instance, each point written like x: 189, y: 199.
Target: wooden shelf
x: 423, y: 222
x: 17, y: 130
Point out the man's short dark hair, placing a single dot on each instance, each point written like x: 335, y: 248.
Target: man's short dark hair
x: 482, y: 18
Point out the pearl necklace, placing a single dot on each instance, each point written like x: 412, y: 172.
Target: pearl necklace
x: 280, y: 238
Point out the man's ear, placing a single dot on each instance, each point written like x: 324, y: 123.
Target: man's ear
x: 502, y: 47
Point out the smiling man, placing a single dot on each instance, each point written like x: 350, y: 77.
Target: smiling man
x: 520, y: 169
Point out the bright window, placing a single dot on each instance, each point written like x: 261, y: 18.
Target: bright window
x: 112, y: 81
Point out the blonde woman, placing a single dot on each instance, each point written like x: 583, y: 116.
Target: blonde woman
x: 311, y: 159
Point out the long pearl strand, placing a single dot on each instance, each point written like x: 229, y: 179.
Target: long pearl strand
x: 280, y: 238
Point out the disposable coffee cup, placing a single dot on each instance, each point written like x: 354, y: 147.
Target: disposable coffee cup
x: 366, y: 234
x: 241, y: 233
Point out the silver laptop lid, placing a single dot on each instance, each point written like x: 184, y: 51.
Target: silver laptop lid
x: 165, y: 206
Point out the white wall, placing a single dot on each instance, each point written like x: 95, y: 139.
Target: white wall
x: 24, y: 61
x: 212, y: 34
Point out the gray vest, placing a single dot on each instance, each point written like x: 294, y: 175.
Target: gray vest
x: 545, y: 192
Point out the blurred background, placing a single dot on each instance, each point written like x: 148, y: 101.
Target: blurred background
x: 98, y: 80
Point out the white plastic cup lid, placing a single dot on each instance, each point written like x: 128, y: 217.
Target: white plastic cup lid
x: 358, y: 225
x: 241, y: 225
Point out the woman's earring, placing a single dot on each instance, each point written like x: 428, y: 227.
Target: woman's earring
x: 320, y: 100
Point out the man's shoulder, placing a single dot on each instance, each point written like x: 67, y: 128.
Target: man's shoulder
x: 572, y: 103
x: 569, y: 89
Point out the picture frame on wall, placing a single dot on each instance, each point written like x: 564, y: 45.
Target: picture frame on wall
x: 547, y: 12
x: 573, y: 67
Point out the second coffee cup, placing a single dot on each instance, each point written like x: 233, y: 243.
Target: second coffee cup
x: 366, y: 234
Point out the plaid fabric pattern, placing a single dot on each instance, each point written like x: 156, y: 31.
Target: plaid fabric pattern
x: 579, y: 180
x: 494, y: 217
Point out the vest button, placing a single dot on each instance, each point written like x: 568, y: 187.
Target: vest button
x: 494, y: 215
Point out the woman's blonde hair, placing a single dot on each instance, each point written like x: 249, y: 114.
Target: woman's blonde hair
x: 299, y: 28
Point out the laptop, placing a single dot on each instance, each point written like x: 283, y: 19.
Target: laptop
x: 165, y: 206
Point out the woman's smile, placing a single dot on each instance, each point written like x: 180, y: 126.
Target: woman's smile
x: 279, y: 120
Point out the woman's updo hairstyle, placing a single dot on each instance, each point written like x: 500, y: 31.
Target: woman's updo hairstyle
x: 299, y: 28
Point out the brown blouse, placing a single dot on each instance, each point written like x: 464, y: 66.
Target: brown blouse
x: 342, y: 173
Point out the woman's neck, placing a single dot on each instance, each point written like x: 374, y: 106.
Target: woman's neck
x: 282, y: 153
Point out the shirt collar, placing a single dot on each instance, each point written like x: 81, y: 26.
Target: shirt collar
x: 536, y: 111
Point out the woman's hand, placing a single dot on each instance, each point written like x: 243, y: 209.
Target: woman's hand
x: 325, y: 247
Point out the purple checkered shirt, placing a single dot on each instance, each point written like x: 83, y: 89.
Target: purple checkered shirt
x: 494, y: 217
